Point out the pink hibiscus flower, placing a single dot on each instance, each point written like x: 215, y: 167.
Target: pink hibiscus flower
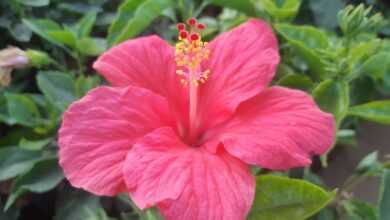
x: 187, y: 148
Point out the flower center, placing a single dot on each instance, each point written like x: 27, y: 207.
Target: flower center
x: 190, y: 52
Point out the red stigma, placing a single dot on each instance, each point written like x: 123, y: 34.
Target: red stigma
x: 181, y: 26
x: 201, y: 26
x: 194, y: 37
x: 191, y: 21
x: 183, y: 34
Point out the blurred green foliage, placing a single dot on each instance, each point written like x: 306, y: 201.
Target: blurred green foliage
x: 337, y: 52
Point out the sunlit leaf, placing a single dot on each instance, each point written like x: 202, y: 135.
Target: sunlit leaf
x: 377, y: 111
x: 280, y: 10
x: 306, y: 40
x: 41, y: 27
x: 281, y: 198
x: 133, y: 17
x: 34, y: 145
x: 63, y: 37
x: 85, y: 25
x: 91, y: 46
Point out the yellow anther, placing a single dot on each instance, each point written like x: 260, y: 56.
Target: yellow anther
x: 190, y: 52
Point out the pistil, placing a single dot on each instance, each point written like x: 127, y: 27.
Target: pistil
x: 193, y: 93
x: 190, y: 52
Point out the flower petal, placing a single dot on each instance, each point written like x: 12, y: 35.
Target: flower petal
x: 98, y: 131
x: 242, y: 63
x: 146, y: 62
x: 278, y: 129
x: 187, y: 183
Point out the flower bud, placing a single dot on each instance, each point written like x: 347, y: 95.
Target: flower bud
x: 354, y: 20
x: 5, y: 76
x: 38, y: 58
x: 13, y: 58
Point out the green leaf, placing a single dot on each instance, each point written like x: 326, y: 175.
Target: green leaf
x: 91, y: 46
x: 77, y: 206
x: 41, y: 27
x: 377, y: 111
x: 284, y: 10
x: 326, y: 214
x: 81, y: 7
x: 85, y: 25
x: 151, y: 214
x: 281, y: 198
x: 363, y: 50
x: 306, y: 40
x: 20, y: 32
x: 369, y: 165
x: 4, y: 115
x: 307, y: 36
x: 124, y: 14
x: 14, y: 134
x: 333, y: 96
x: 245, y: 6
x: 14, y: 161
x: 34, y: 145
x: 133, y: 17
x: 22, y: 109
x: 97, y: 214
x: 346, y: 137
x: 63, y: 37
x: 44, y: 176
x: 358, y: 210
x: 313, y: 178
x: 296, y: 81
x: 377, y: 65
x: 34, y: 3
x: 363, y: 90
x: 212, y: 27
x: 325, y: 12
x: 229, y: 19
x: 57, y: 87
x: 85, y: 83
x: 384, y: 201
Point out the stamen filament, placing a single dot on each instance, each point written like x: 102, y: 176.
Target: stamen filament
x: 193, y: 93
